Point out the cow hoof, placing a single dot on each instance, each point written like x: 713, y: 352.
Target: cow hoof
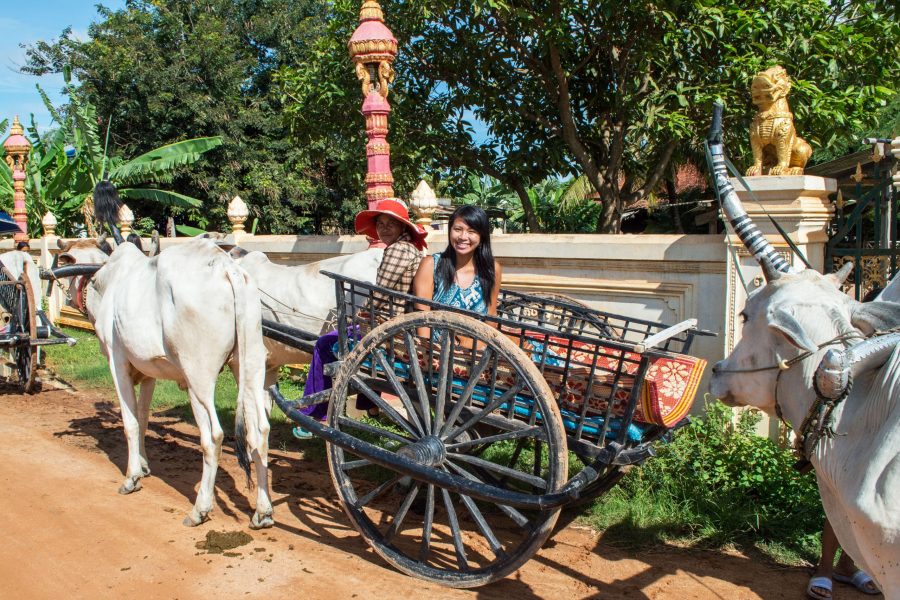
x: 258, y: 521
x: 130, y: 485
x: 193, y: 519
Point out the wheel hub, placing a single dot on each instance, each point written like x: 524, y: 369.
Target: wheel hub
x: 428, y: 451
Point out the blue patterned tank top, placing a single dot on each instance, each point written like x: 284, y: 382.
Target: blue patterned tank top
x: 470, y: 298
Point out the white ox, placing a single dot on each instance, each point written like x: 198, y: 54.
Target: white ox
x: 858, y: 469
x: 181, y: 316
x: 802, y: 349
x: 300, y: 296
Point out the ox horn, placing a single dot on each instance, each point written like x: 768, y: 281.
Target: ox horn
x: 841, y: 276
x: 772, y: 263
x: 63, y: 245
x: 154, y: 244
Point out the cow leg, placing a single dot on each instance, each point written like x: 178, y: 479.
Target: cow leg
x: 147, y: 387
x: 211, y: 435
x: 263, y: 517
x: 130, y: 422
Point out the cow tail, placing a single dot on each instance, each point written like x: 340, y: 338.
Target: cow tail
x: 249, y: 418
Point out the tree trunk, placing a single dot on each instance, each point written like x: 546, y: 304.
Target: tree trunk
x: 527, y: 208
x: 611, y: 216
x: 673, y: 199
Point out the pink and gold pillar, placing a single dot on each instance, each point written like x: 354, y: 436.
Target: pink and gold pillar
x: 373, y: 48
x: 17, y: 147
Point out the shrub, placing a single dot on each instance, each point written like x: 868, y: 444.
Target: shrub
x: 717, y: 483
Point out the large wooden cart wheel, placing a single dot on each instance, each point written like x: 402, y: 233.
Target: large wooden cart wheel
x: 24, y: 326
x: 484, y: 414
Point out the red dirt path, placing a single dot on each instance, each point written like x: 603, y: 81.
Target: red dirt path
x: 67, y: 533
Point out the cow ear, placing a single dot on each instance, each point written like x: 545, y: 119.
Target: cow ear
x: 237, y: 252
x: 784, y: 322
x: 875, y: 316
x: 63, y: 244
x: 105, y: 247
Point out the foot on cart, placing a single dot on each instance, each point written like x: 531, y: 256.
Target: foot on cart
x: 301, y: 434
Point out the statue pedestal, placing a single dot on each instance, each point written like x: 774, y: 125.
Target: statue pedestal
x: 800, y: 205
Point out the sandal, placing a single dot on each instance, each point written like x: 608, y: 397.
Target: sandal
x: 860, y: 580
x: 301, y: 434
x: 815, y: 585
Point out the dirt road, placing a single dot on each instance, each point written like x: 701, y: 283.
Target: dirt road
x: 67, y: 533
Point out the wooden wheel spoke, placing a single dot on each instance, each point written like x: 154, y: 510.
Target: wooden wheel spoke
x: 489, y: 408
x: 492, y: 466
x: 444, y: 380
x: 517, y: 517
x: 400, y: 390
x: 455, y: 532
x: 419, y: 380
x: 347, y: 422
x: 483, y: 526
x: 425, y: 549
x: 529, y: 432
x: 474, y: 377
x: 355, y: 464
x: 378, y: 492
x: 384, y: 406
x: 401, y: 513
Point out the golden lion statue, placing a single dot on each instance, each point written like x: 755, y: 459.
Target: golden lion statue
x: 777, y: 149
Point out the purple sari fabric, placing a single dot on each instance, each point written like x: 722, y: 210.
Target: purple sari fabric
x: 316, y: 380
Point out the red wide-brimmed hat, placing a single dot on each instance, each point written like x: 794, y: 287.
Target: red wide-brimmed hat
x: 365, y: 220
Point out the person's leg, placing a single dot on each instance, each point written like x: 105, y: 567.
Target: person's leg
x: 820, y: 584
x: 316, y: 380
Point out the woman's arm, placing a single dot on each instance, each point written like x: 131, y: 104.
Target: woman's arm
x: 495, y: 291
x: 423, y: 282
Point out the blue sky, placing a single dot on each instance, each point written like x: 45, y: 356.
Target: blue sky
x: 37, y: 20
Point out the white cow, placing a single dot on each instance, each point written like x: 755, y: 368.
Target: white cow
x: 18, y: 262
x: 300, y: 296
x: 804, y: 348
x: 858, y: 469
x: 180, y: 316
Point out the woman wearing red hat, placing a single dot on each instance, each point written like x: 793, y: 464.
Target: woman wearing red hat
x: 388, y: 222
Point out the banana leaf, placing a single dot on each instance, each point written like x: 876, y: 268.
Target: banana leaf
x: 161, y: 161
x: 161, y: 196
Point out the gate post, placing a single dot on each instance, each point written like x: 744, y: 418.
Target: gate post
x: 800, y: 205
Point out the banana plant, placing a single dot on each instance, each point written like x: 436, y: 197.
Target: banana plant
x: 63, y: 184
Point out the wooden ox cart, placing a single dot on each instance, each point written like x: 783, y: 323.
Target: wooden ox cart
x: 463, y: 475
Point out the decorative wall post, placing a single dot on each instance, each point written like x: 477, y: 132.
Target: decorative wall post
x: 237, y: 216
x: 373, y: 48
x: 422, y: 202
x: 126, y: 220
x: 17, y: 147
x: 49, y: 223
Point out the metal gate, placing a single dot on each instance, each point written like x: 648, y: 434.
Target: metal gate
x: 864, y: 228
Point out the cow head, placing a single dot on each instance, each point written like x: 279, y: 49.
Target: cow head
x: 80, y: 252
x: 790, y: 315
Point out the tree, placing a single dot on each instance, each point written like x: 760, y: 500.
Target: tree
x: 623, y: 86
x: 162, y: 71
x: 64, y: 184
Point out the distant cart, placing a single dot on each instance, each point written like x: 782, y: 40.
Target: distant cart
x: 24, y: 327
x: 462, y: 476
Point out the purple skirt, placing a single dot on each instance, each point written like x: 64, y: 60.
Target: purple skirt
x: 316, y: 380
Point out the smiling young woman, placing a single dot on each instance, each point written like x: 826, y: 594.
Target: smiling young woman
x: 465, y: 275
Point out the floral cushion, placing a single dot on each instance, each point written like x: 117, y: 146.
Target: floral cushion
x: 667, y: 394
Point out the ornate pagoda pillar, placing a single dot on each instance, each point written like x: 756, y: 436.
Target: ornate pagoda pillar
x: 373, y: 48
x: 17, y: 147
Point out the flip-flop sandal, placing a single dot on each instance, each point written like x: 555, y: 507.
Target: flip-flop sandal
x: 816, y: 584
x: 860, y: 580
x: 301, y: 434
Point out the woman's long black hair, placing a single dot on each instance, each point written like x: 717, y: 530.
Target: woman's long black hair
x: 477, y: 219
